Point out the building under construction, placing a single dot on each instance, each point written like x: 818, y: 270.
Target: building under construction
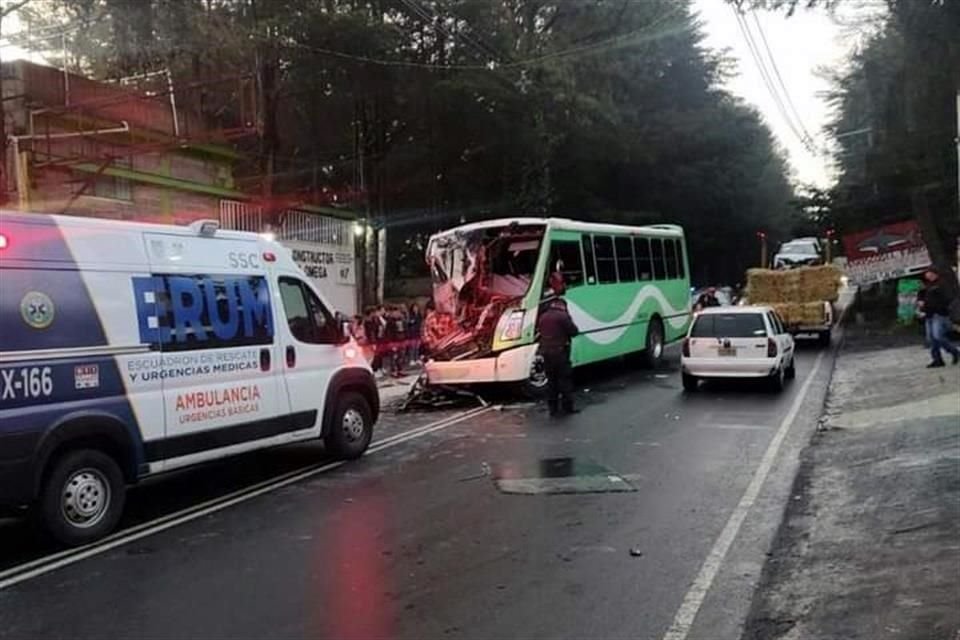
x: 143, y: 149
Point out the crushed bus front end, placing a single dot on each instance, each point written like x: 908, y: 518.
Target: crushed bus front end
x: 486, y: 284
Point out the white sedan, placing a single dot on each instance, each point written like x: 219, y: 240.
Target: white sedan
x: 737, y: 342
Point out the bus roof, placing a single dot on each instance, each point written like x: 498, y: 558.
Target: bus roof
x: 565, y: 224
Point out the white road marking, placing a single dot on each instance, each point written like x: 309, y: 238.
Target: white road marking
x: 738, y: 427
x: 687, y: 613
x: 53, y: 562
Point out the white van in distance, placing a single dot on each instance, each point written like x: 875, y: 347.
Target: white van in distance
x: 130, y: 349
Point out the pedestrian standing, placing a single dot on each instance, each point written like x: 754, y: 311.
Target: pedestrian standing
x: 393, y: 342
x: 414, y: 327
x: 708, y: 299
x: 936, y: 310
x: 372, y: 330
x: 557, y: 329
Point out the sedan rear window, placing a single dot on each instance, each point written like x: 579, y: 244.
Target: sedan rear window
x: 732, y: 325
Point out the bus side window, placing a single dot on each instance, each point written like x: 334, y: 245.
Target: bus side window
x: 567, y: 252
x: 641, y: 247
x: 670, y: 248
x: 589, y: 266
x: 606, y: 263
x: 681, y: 270
x: 656, y: 253
x: 626, y: 265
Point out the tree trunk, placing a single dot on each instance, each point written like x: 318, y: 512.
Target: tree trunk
x: 940, y: 257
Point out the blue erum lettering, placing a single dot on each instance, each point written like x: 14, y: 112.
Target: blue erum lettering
x: 186, y: 302
x: 186, y: 309
x: 255, y: 298
x: 223, y: 328
x: 149, y: 310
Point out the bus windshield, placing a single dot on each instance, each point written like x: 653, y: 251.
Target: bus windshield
x: 478, y: 272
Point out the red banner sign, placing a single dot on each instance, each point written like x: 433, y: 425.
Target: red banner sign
x: 885, y: 253
x: 900, y: 236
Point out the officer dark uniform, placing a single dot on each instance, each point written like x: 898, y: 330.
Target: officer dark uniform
x: 556, y: 329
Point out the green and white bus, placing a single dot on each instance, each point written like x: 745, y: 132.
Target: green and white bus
x: 627, y: 289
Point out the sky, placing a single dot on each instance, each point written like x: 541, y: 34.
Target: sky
x: 799, y: 44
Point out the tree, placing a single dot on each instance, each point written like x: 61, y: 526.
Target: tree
x: 894, y: 124
x: 427, y: 112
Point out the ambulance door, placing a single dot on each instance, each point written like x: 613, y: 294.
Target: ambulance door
x: 313, y: 347
x: 208, y: 307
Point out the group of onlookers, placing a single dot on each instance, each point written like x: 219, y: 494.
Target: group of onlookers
x: 390, y: 337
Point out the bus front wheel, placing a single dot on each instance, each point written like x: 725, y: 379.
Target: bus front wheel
x: 536, y: 385
x: 653, y: 351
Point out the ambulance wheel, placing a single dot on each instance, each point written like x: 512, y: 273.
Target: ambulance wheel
x: 82, y: 497
x: 653, y: 349
x: 351, y: 430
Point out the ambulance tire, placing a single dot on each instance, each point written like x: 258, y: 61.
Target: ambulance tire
x: 82, y: 497
x: 349, y: 433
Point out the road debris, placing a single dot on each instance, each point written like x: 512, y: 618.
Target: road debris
x: 435, y: 396
x: 485, y: 472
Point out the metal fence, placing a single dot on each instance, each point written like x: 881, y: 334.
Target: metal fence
x: 294, y: 224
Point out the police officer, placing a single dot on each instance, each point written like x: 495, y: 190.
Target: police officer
x: 556, y: 329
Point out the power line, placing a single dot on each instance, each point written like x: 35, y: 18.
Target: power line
x: 436, y: 19
x: 783, y: 87
x: 765, y: 75
x: 642, y: 34
x: 767, y: 79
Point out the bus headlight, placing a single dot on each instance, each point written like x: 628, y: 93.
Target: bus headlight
x: 513, y: 328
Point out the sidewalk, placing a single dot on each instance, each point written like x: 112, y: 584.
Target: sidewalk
x: 870, y: 544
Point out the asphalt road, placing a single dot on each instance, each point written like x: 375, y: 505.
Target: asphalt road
x: 420, y: 540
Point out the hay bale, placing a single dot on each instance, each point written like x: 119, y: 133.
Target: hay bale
x: 819, y: 283
x: 806, y: 284
x: 800, y: 313
x: 768, y: 286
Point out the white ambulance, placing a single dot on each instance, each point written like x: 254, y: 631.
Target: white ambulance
x: 129, y: 349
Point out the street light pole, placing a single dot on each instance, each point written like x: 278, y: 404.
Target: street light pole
x: 763, y: 248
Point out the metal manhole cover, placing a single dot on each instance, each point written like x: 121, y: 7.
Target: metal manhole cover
x: 557, y: 476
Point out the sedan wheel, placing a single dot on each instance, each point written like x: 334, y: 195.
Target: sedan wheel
x: 778, y: 380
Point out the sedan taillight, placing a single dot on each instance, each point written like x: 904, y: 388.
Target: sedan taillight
x: 771, y: 348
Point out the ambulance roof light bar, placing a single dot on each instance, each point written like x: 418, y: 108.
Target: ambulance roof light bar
x: 205, y: 228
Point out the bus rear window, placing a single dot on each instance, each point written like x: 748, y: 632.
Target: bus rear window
x: 729, y: 325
